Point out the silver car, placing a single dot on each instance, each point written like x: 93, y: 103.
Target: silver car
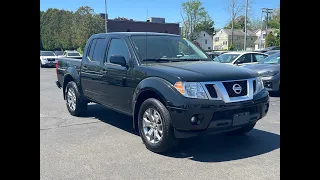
x: 241, y: 58
x: 269, y: 70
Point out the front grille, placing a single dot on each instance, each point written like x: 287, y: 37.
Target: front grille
x: 211, y: 90
x: 51, y: 59
x: 228, y: 114
x: 229, y: 88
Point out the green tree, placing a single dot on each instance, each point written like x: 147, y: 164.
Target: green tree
x: 49, y: 29
x: 192, y: 13
x: 66, y: 34
x: 205, y: 25
x: 85, y: 24
x: 239, y: 23
x: 272, y: 40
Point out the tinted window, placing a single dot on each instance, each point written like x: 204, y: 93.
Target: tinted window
x: 246, y: 58
x: 74, y: 54
x: 58, y: 53
x: 47, y: 53
x: 118, y: 47
x: 99, y: 50
x: 166, y: 47
x: 93, y: 44
x: 276, y: 48
x: 226, y: 58
x: 273, y: 59
x: 258, y: 57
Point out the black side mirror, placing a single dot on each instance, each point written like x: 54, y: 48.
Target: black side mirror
x: 117, y: 59
x: 239, y: 62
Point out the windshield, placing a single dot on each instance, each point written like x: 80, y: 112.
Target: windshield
x: 273, y: 59
x: 58, y: 53
x: 74, y: 54
x: 226, y: 58
x: 166, y: 48
x: 47, y: 53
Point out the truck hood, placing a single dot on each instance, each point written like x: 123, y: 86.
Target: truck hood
x: 260, y: 68
x: 201, y: 71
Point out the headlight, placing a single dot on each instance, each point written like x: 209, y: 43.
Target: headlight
x: 259, y: 85
x: 191, y: 90
x: 269, y: 73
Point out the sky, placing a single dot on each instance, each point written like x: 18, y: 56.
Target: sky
x: 169, y: 9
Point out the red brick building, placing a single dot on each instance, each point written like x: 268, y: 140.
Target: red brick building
x: 141, y: 26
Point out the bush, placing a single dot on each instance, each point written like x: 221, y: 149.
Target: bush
x: 231, y: 47
x: 80, y: 50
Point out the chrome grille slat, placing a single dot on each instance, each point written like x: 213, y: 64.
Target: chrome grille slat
x: 222, y: 93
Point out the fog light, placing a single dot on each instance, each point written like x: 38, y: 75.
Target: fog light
x: 195, y: 120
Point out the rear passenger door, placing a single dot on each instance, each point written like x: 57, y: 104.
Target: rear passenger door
x: 91, y: 70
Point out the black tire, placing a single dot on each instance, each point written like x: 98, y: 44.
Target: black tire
x: 41, y: 65
x: 80, y: 105
x: 242, y: 130
x: 168, y: 141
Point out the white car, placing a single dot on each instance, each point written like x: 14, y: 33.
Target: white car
x: 72, y: 54
x: 47, y: 59
x: 241, y: 58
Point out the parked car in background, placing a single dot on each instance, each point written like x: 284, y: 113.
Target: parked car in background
x: 72, y: 54
x: 272, y: 52
x: 168, y: 96
x: 58, y: 53
x: 269, y: 70
x: 213, y: 54
x: 241, y: 58
x: 271, y: 48
x: 47, y: 59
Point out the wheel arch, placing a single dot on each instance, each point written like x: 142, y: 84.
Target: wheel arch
x: 153, y: 87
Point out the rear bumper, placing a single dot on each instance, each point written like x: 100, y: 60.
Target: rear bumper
x: 217, y: 117
x: 58, y: 84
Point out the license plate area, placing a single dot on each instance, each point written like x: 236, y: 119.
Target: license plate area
x: 241, y: 118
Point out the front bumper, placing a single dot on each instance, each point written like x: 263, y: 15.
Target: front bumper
x: 216, y: 116
x: 48, y: 63
x: 271, y: 83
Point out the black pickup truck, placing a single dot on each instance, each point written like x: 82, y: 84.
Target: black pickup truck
x: 170, y: 87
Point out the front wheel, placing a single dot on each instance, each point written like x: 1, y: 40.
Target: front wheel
x: 155, y: 127
x: 76, y: 104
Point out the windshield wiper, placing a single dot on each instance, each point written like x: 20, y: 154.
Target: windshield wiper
x: 163, y: 60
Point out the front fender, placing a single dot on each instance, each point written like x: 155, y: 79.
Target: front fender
x: 162, y: 87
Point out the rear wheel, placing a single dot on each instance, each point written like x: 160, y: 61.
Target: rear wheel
x: 76, y: 104
x: 242, y: 130
x: 155, y: 127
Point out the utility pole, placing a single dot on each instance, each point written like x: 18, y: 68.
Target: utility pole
x: 261, y: 29
x: 106, y: 16
x: 268, y: 11
x: 245, y: 27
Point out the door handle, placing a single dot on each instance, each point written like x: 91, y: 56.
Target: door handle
x: 103, y: 71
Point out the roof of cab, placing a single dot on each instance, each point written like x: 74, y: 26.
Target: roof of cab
x: 134, y: 34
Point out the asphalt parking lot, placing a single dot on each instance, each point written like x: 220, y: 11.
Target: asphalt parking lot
x: 104, y: 146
